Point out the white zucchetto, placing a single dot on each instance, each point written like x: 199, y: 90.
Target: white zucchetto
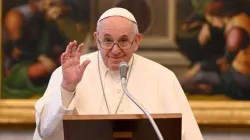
x: 117, y: 11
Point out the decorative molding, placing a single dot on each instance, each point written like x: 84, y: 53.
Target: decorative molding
x: 222, y: 112
x: 166, y: 58
x: 17, y: 111
x: 208, y: 113
x: 156, y: 42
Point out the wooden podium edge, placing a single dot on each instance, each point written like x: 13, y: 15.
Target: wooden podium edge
x: 120, y: 116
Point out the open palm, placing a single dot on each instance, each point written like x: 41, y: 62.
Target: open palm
x: 72, y: 70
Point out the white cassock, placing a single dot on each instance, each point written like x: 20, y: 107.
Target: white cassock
x: 153, y: 85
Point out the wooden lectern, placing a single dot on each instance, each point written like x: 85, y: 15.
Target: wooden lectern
x: 124, y: 127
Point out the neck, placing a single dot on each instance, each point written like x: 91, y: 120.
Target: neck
x: 226, y: 20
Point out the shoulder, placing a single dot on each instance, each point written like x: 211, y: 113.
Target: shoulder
x: 153, y: 67
x: 238, y: 33
x: 241, y: 20
x: 237, y: 38
x: 57, y: 74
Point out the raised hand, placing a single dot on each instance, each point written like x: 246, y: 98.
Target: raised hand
x: 72, y: 70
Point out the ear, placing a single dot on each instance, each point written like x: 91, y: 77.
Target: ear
x: 138, y: 39
x: 95, y: 35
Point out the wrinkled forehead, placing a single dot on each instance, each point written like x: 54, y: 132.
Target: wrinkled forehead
x: 115, y: 27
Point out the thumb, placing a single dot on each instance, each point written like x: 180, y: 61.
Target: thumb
x: 84, y: 65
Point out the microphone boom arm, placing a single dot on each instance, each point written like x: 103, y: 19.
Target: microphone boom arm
x: 124, y: 84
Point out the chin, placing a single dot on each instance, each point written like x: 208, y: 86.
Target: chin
x: 114, y: 67
x: 114, y: 64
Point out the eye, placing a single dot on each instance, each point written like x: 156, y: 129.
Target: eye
x: 123, y: 40
x: 108, y: 40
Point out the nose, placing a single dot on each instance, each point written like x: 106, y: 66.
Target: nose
x: 116, y: 50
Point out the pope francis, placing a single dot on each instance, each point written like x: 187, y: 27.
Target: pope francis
x: 91, y: 84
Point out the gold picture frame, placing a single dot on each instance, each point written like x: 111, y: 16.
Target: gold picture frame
x: 216, y: 115
x: 213, y: 114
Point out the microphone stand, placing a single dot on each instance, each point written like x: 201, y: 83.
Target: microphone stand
x: 124, y: 84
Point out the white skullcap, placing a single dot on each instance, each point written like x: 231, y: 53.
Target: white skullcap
x: 117, y: 11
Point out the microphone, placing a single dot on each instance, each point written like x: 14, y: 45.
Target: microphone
x: 123, y: 72
x: 123, y: 69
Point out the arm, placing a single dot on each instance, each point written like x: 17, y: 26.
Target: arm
x: 51, y: 107
x: 236, y: 39
x: 204, y: 34
x: 43, y: 67
x: 175, y: 101
x: 193, y: 22
x: 190, y: 128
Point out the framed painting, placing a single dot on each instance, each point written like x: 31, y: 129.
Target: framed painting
x: 203, y: 27
x: 23, y: 81
x: 203, y: 37
x: 34, y: 34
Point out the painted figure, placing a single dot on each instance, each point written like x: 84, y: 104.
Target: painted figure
x: 32, y: 47
x: 231, y: 76
x: 205, y: 42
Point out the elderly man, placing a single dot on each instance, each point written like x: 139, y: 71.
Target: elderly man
x: 91, y: 84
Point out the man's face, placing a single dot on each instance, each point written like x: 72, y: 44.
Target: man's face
x: 119, y: 30
x: 47, y: 4
x: 51, y: 8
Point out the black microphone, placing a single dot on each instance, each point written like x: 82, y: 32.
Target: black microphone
x: 123, y: 72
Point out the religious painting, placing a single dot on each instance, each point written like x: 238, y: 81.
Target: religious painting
x: 34, y: 35
x: 36, y: 32
x: 214, y: 36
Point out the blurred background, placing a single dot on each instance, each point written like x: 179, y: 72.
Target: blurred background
x: 204, y: 42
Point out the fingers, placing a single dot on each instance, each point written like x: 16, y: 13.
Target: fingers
x: 72, y: 51
x: 70, y: 47
x: 64, y: 57
x: 84, y: 65
x: 80, y: 48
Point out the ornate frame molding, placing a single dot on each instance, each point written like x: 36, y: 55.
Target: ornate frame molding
x: 213, y: 114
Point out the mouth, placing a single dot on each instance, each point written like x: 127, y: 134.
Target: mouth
x: 116, y: 60
x: 116, y: 57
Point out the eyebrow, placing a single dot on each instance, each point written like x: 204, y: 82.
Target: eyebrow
x: 107, y: 35
x: 123, y: 36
